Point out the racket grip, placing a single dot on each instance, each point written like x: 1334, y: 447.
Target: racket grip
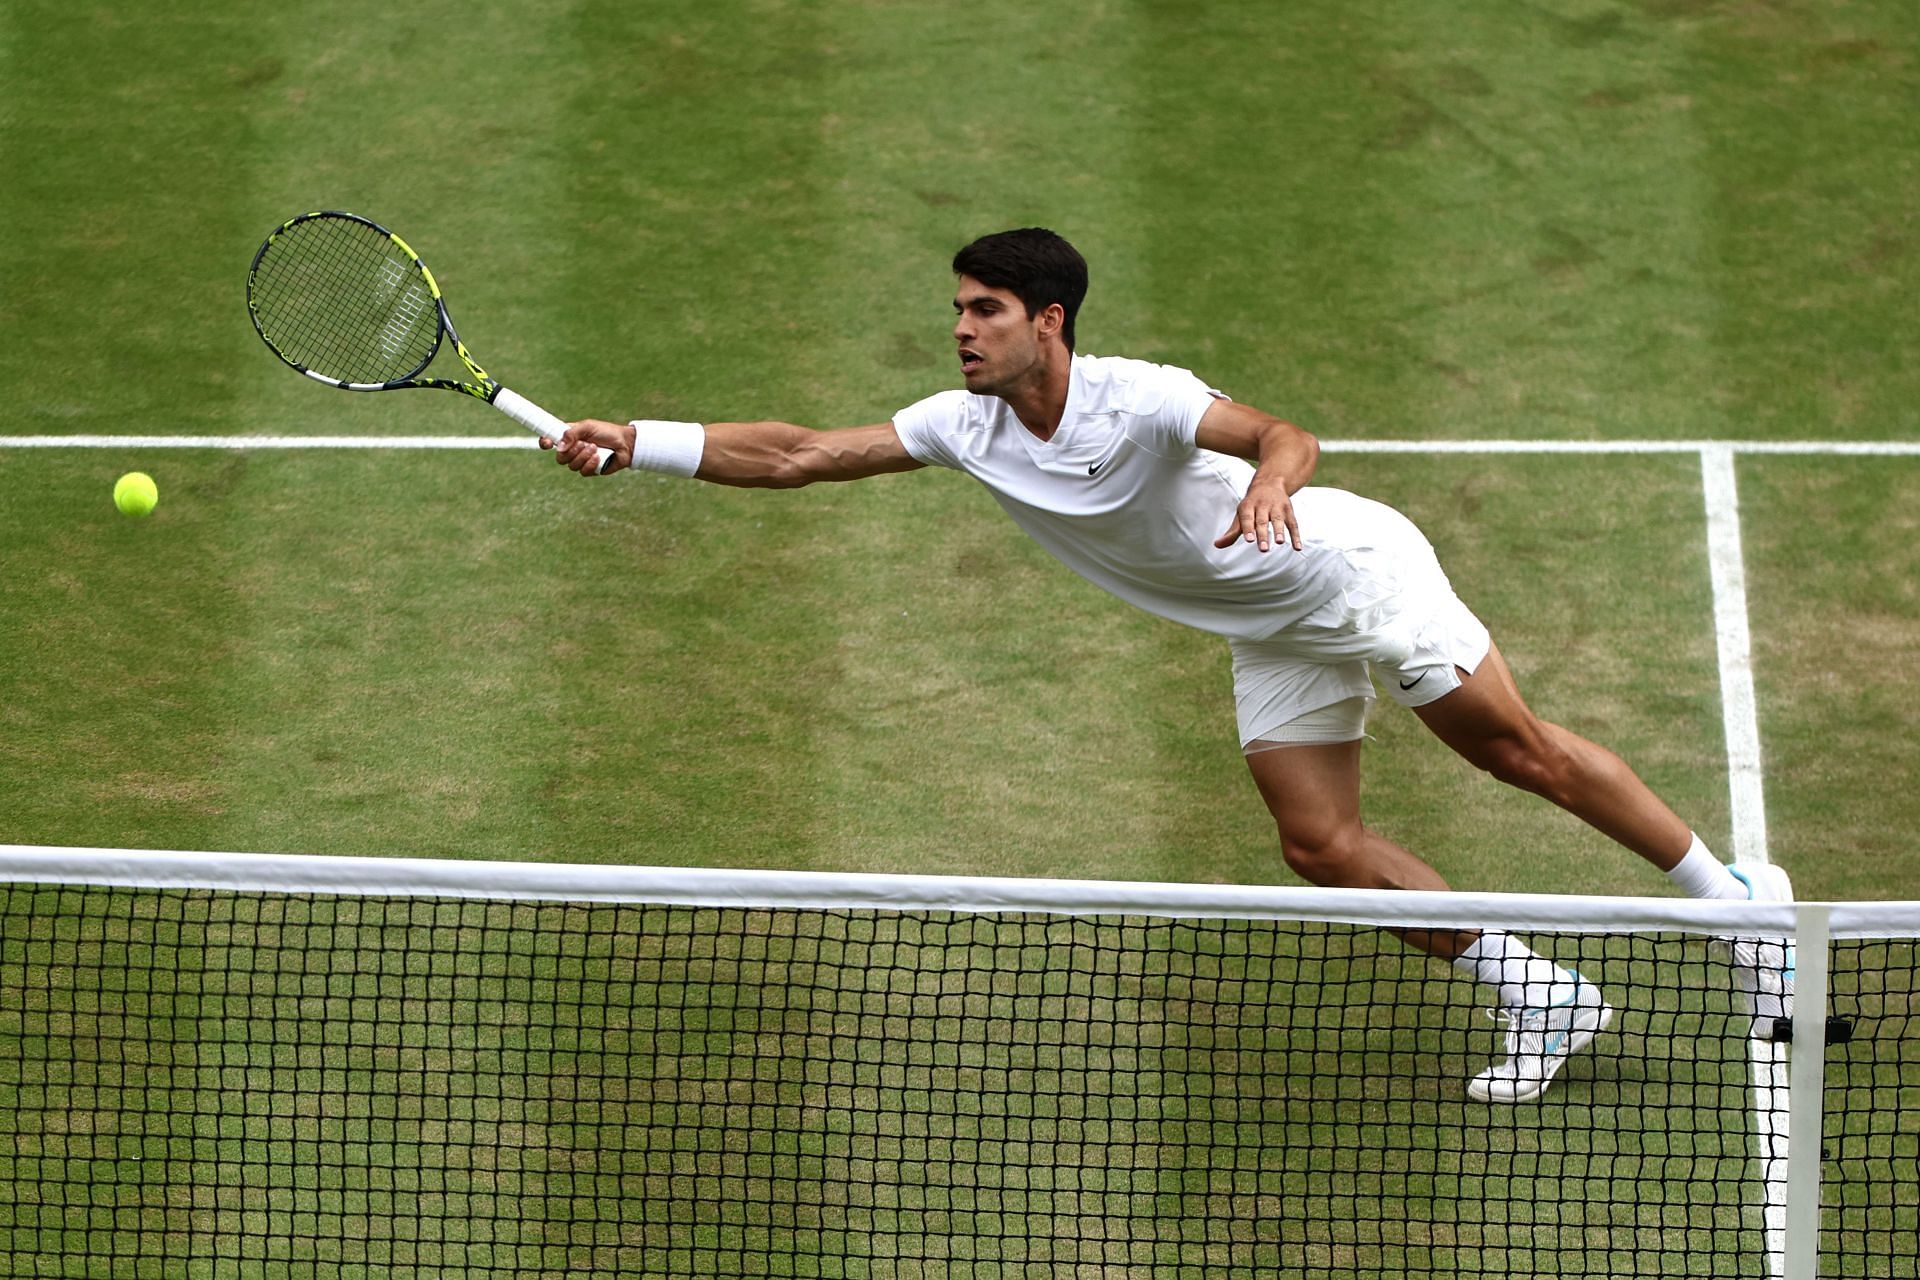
x: 540, y: 422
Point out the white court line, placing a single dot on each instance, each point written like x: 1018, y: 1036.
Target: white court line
x: 1841, y: 448
x: 1739, y: 706
x: 268, y: 442
x: 1738, y: 703
x: 1739, y: 709
x: 1836, y: 448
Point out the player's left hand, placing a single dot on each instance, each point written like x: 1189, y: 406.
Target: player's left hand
x: 1261, y: 516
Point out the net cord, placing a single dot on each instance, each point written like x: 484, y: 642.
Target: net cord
x: 540, y: 881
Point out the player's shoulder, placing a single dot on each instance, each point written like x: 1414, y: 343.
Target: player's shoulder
x: 945, y: 427
x: 953, y: 410
x: 1125, y: 385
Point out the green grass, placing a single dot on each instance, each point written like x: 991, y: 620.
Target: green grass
x: 1624, y: 223
x: 464, y: 697
x: 1633, y: 219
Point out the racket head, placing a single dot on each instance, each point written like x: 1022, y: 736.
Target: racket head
x: 346, y: 302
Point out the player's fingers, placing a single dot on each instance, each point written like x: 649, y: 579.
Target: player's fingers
x: 1293, y: 529
x: 1255, y: 525
x: 1241, y: 530
x: 583, y: 455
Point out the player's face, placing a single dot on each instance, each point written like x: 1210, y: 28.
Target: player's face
x: 999, y: 343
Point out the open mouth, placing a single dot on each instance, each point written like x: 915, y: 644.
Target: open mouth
x: 970, y: 360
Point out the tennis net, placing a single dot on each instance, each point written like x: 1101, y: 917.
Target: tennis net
x: 266, y: 1066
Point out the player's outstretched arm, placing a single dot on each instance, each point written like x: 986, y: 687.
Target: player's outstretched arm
x: 1285, y: 457
x: 766, y: 455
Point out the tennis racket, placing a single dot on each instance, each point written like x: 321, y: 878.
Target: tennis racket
x: 347, y: 302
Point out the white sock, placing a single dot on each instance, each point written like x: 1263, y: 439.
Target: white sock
x: 1521, y: 976
x: 1701, y: 875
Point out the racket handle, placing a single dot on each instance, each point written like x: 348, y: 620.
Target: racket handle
x: 540, y: 422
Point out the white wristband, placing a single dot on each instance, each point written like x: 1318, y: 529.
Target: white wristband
x: 670, y: 447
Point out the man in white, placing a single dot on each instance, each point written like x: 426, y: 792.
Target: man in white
x: 1137, y: 477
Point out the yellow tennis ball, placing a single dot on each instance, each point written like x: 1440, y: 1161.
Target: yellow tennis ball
x: 135, y: 493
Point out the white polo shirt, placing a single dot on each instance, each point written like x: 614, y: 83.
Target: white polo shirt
x: 1123, y: 497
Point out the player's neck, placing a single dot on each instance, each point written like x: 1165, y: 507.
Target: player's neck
x: 1040, y: 400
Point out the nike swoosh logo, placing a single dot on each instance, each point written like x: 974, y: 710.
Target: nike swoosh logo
x: 1408, y: 684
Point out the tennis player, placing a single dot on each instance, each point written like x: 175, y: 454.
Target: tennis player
x: 1151, y: 484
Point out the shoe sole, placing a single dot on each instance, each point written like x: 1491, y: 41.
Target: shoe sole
x: 1580, y: 1040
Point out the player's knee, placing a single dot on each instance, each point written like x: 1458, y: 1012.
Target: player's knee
x: 1325, y: 855
x: 1538, y: 765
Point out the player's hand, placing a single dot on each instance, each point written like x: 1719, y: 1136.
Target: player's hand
x: 1261, y: 516
x: 577, y: 447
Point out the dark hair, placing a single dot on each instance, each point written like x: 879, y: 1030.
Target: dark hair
x: 1035, y: 265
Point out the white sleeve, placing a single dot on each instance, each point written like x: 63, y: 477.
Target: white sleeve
x: 1188, y: 400
x: 926, y: 428
x: 1170, y: 402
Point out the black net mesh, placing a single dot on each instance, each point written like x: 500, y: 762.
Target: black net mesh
x: 1870, y: 1197
x: 237, y: 1084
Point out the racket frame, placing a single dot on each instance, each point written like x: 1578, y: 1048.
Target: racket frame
x: 484, y: 387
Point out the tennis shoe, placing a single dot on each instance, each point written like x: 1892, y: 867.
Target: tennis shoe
x: 1763, y: 967
x: 1540, y: 1039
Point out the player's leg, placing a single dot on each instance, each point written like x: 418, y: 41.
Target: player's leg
x: 1313, y: 792
x: 1439, y: 660
x: 1434, y: 656
x: 1487, y: 722
x: 1301, y: 724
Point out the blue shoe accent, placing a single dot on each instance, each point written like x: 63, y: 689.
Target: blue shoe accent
x: 1539, y: 1040
x: 1559, y: 1037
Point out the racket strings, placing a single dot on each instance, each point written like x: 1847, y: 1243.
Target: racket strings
x: 339, y: 298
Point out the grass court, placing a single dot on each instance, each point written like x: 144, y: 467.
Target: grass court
x: 1604, y: 220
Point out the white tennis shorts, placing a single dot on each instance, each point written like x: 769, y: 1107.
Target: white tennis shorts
x: 1396, y: 619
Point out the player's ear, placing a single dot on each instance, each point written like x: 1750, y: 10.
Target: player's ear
x: 1053, y: 318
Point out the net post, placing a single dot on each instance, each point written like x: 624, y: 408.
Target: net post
x: 1807, y: 1082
